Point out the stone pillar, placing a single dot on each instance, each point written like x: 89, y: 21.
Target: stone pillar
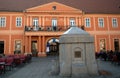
x: 43, y: 21
x: 65, y: 23
x: 76, y: 21
x: 68, y: 23
x: 29, y: 44
x: 43, y: 46
x: 31, y: 21
x: 26, y: 44
x: 39, y: 46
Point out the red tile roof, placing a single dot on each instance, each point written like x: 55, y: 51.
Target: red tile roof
x: 88, y: 6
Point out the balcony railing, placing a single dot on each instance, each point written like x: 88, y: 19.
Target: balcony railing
x: 48, y: 28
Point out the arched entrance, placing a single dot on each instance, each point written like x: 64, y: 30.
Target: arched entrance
x: 52, y: 47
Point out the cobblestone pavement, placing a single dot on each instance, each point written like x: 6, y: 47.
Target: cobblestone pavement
x: 41, y: 68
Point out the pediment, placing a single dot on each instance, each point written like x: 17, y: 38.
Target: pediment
x: 53, y: 6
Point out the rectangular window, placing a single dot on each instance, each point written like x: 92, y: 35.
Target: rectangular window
x: 116, y: 44
x: 1, y: 47
x: 18, y: 21
x: 102, y: 44
x: 87, y: 22
x: 72, y: 22
x: 35, y: 22
x: 100, y: 22
x: 77, y: 54
x: 17, y: 45
x: 2, y: 21
x: 54, y: 24
x: 114, y: 22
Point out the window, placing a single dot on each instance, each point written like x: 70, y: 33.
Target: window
x: 54, y: 7
x: 17, y: 45
x: 100, y: 22
x: 35, y: 22
x: 54, y: 24
x: 18, y: 21
x: 102, y: 44
x: 72, y: 22
x: 116, y: 44
x: 1, y: 47
x: 87, y: 22
x: 77, y: 54
x: 2, y: 21
x: 114, y: 22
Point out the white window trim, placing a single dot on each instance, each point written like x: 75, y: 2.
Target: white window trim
x: 20, y: 43
x: 21, y: 21
x: 73, y: 22
x: 116, y: 23
x: 105, y: 43
x: 34, y: 20
x: 89, y: 23
x: 54, y: 20
x: 113, y: 42
x: 5, y: 22
x: 99, y: 22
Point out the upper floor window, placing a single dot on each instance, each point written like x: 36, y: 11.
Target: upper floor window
x: 100, y: 22
x: 18, y: 21
x: 114, y: 22
x: 87, y: 22
x: 54, y: 7
x: 54, y: 22
x: 72, y: 22
x: 2, y: 21
x: 35, y: 22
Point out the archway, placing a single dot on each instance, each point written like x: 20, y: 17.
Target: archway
x: 52, y: 47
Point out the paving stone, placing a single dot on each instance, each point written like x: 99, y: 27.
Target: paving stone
x: 41, y: 68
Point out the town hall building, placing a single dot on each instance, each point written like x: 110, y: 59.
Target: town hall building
x: 28, y: 26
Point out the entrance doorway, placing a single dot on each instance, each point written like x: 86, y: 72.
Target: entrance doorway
x: 1, y: 47
x: 34, y: 48
x: 116, y: 44
x: 52, y: 47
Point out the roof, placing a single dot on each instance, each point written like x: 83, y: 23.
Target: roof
x: 88, y: 6
x: 75, y: 30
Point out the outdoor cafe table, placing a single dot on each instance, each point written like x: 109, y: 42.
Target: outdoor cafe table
x: 3, y: 64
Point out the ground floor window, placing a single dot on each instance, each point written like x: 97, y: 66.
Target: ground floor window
x: 102, y: 44
x: 116, y: 44
x: 1, y: 47
x: 17, y: 46
x: 34, y: 46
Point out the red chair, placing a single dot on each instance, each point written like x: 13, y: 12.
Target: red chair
x: 2, y: 65
x: 23, y: 58
x: 17, y: 60
x: 9, y: 63
x: 115, y: 59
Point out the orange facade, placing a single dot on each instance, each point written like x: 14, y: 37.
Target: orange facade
x: 44, y: 24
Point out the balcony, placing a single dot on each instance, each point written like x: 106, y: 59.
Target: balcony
x: 48, y: 28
